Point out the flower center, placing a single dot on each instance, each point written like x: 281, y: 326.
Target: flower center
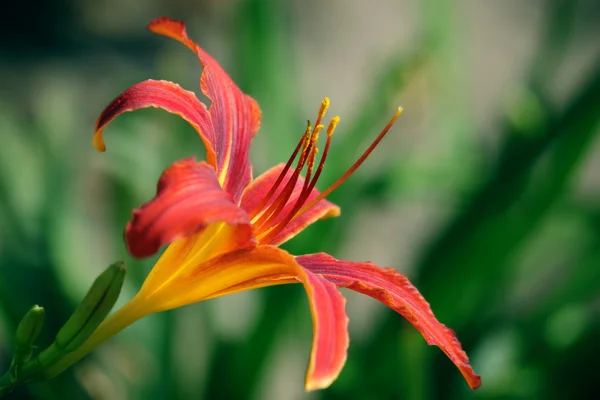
x: 267, y: 221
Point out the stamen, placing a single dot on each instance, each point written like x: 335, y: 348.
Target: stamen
x: 322, y: 110
x: 330, y: 129
x: 314, y: 151
x: 302, y: 143
x: 279, y: 203
x: 307, y: 188
x: 332, y: 125
x: 353, y: 168
x: 264, y: 221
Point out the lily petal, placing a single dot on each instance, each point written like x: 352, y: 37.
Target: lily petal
x: 258, y: 189
x: 188, y: 198
x: 214, y: 240
x: 236, y: 116
x: 394, y: 290
x: 168, y: 96
x: 330, y: 331
x: 261, y: 266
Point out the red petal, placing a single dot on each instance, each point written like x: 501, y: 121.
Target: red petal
x: 327, y: 305
x: 257, y: 190
x: 168, y: 96
x: 330, y: 331
x: 394, y: 290
x: 188, y: 198
x: 236, y: 116
x: 256, y: 267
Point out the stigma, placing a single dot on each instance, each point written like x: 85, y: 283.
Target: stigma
x: 267, y: 219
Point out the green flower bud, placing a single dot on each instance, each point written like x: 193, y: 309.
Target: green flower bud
x: 30, y: 326
x: 92, y: 310
x: 27, y: 331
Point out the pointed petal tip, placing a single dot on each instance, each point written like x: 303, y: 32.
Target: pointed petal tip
x: 167, y: 96
x: 333, y: 212
x: 330, y: 330
x: 230, y: 108
x: 168, y: 27
x: 98, y: 141
x: 159, y: 22
x: 174, y: 29
x: 312, y: 382
x: 473, y: 380
x: 394, y: 290
x: 311, y: 385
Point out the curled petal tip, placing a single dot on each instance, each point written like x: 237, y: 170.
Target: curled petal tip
x: 98, y: 141
x: 317, y: 384
x: 394, y: 290
x: 162, y: 21
x: 473, y: 380
x: 189, y: 198
x: 330, y: 329
x: 235, y: 117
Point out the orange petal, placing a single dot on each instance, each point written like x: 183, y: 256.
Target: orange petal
x: 214, y: 240
x: 168, y: 96
x: 262, y: 266
x: 188, y: 198
x: 236, y: 116
x: 257, y: 190
x: 394, y: 290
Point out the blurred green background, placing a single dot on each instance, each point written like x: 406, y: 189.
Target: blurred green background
x: 486, y: 193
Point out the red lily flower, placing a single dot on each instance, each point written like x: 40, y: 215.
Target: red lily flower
x: 224, y: 227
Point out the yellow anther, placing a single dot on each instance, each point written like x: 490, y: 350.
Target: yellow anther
x: 306, y: 137
x: 308, y: 129
x: 311, y: 160
x: 315, y: 135
x: 400, y: 109
x: 332, y: 125
x: 324, y: 107
x: 315, y: 140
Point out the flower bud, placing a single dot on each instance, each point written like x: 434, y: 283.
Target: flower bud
x: 92, y: 310
x: 27, y: 331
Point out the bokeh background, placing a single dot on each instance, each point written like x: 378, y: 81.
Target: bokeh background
x: 486, y: 193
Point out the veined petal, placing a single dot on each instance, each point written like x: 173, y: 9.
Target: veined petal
x: 257, y: 190
x: 394, y: 290
x: 330, y: 331
x: 261, y: 266
x: 188, y: 198
x: 168, y: 96
x: 235, y: 116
